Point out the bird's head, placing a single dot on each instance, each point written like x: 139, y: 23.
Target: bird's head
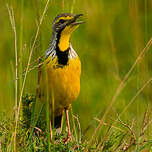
x: 63, y: 26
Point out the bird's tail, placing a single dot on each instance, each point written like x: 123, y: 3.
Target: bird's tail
x: 57, y: 121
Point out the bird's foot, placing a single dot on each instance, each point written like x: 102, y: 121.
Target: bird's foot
x: 66, y: 140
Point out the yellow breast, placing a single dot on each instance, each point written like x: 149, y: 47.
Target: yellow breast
x: 63, y: 83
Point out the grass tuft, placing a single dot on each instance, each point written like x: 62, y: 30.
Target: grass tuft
x: 114, y: 140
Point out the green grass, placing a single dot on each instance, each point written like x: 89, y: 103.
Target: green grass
x: 109, y: 44
x: 117, y: 138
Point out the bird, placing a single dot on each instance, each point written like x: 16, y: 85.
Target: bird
x: 59, y: 75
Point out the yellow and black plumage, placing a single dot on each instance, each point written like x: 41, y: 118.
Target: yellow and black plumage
x: 59, y: 76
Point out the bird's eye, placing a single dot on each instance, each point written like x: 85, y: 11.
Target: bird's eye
x: 61, y: 21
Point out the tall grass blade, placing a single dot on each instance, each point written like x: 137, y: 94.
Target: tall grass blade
x: 118, y: 90
x: 74, y: 126
x: 72, y: 7
x: 48, y: 125
x: 11, y: 15
x: 146, y: 20
x: 27, y: 68
x: 37, y: 110
x: 48, y: 117
x: 21, y: 49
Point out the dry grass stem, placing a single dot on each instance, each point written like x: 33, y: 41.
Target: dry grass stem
x: 129, y: 127
x: 79, y: 127
x: 31, y: 69
x: 146, y: 123
x: 113, y: 50
x: 28, y: 64
x: 12, y: 20
x: 132, y: 138
x: 35, y: 64
x: 121, y: 86
x: 132, y: 100
x: 101, y: 144
x: 105, y: 124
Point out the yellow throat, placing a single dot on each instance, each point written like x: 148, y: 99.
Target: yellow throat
x: 64, y: 40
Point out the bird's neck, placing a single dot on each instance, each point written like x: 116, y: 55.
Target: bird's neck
x: 62, y: 48
x: 63, y: 40
x: 63, y: 57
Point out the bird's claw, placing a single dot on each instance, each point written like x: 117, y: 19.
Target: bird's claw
x: 66, y: 140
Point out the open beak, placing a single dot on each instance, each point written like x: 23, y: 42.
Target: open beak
x: 73, y: 22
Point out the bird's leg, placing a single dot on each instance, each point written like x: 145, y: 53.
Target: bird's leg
x: 68, y: 125
x: 51, y: 133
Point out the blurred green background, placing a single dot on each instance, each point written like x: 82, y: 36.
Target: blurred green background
x: 108, y: 43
